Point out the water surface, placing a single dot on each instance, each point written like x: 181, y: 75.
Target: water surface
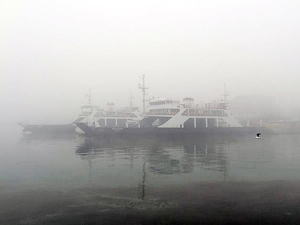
x: 68, y: 179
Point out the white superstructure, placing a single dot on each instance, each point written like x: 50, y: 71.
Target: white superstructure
x: 124, y: 117
x: 168, y: 113
x: 111, y: 117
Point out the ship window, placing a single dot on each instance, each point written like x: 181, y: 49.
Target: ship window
x: 121, y: 122
x: 211, y: 122
x: 101, y: 122
x: 110, y: 122
x: 200, y: 122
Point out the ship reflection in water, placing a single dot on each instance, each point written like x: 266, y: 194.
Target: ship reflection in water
x: 155, y: 162
x: 209, y: 179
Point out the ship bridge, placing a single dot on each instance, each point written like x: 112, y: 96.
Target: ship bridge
x: 163, y: 106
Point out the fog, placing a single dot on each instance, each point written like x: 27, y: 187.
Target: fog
x: 53, y: 52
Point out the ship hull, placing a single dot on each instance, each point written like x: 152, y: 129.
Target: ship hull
x: 169, y: 132
x: 60, y: 128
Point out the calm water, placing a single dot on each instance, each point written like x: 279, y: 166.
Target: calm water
x: 212, y: 180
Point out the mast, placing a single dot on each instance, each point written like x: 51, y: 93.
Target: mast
x: 130, y: 99
x: 226, y: 94
x: 143, y: 87
x: 89, y: 96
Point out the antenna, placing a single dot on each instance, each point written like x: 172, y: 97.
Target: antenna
x: 226, y: 94
x: 144, y: 93
x: 130, y: 99
x: 89, y: 96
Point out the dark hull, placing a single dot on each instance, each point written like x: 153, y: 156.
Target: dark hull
x: 52, y: 128
x: 169, y: 132
x: 61, y: 128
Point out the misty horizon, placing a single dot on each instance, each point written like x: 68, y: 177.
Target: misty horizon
x: 54, y: 52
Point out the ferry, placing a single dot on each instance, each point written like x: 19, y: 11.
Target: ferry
x: 169, y: 117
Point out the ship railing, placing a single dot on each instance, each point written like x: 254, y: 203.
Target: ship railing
x: 188, y: 114
x: 163, y: 114
x: 117, y: 115
x: 205, y: 114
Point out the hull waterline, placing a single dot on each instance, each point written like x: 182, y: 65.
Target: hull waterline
x: 169, y: 132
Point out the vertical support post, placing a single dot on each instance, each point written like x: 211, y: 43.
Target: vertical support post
x: 206, y: 122
x: 130, y: 99
x: 195, y: 123
x: 89, y: 97
x: 217, y: 122
x: 143, y: 87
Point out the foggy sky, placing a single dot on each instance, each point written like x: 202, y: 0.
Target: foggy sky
x: 52, y: 52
